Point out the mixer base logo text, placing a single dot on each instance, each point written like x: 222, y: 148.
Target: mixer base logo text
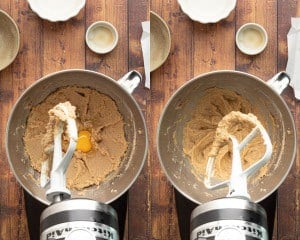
x: 240, y: 229
x: 95, y: 230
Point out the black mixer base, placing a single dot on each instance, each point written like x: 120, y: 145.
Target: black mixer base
x: 34, y: 210
x: 184, y: 213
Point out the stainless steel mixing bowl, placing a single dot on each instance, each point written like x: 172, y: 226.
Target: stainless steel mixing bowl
x: 277, y: 117
x: 135, y: 131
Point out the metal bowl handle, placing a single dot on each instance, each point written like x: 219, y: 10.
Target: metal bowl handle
x: 130, y: 81
x: 279, y: 82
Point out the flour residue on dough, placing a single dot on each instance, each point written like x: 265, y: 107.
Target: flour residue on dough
x: 199, y: 133
x: 96, y: 113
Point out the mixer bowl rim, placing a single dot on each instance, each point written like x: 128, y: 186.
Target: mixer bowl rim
x: 115, y: 84
x: 199, y: 78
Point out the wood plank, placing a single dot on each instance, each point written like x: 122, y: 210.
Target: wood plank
x: 214, y: 45
x: 63, y: 44
x: 164, y: 82
x: 13, y: 81
x: 289, y: 192
x: 114, y: 63
x: 138, y: 198
x: 262, y: 65
x: 138, y: 12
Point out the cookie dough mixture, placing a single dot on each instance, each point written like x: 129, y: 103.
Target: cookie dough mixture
x: 199, y: 133
x: 97, y: 114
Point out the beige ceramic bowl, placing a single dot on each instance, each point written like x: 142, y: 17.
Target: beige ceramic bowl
x: 251, y: 38
x: 9, y: 40
x: 101, y: 37
x: 160, y: 41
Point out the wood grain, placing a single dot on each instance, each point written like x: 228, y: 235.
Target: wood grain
x: 48, y: 47
x: 211, y: 47
x: 138, y: 199
x: 288, y: 194
x: 164, y: 82
x: 196, y: 48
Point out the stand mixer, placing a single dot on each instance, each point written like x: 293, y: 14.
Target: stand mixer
x: 112, y: 191
x: 235, y: 217
x: 66, y: 218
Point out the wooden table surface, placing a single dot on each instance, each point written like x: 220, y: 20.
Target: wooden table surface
x: 196, y: 48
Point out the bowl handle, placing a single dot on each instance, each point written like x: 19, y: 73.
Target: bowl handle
x: 130, y: 81
x: 279, y: 82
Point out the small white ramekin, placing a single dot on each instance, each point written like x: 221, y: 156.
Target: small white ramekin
x: 251, y: 38
x: 101, y: 37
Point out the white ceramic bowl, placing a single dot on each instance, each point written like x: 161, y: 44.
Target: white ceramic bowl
x: 101, y: 37
x: 207, y: 11
x: 56, y: 10
x: 251, y: 38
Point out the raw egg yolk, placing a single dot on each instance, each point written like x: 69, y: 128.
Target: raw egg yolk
x: 84, y: 141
